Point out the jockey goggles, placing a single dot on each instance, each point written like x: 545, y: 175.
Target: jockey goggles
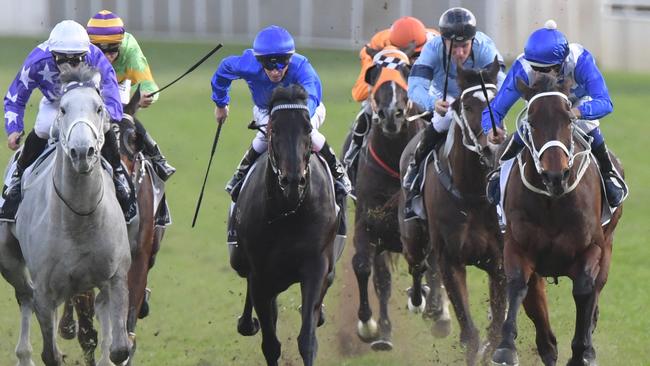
x: 109, y: 47
x: 274, y: 62
x: 72, y: 59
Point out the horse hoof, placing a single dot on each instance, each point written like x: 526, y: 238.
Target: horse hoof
x: 248, y: 328
x: 441, y: 328
x: 505, y: 357
x: 417, y: 309
x: 382, y: 345
x: 321, y: 318
x: 367, y: 331
x: 68, y: 330
x: 119, y: 357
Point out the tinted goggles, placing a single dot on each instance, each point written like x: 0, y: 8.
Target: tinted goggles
x: 274, y: 62
x: 547, y: 69
x: 72, y: 59
x: 109, y: 47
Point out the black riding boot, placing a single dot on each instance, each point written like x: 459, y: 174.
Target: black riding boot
x: 234, y: 185
x: 160, y: 164
x: 342, y: 185
x: 493, y: 187
x: 615, y: 187
x: 429, y: 140
x: 123, y: 185
x: 360, y: 129
x: 12, y: 194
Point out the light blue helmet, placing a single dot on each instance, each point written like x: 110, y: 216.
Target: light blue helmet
x: 546, y: 46
x: 273, y: 40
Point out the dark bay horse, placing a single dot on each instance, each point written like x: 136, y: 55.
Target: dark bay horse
x: 149, y: 236
x: 462, y: 225
x: 287, y: 220
x: 553, y: 209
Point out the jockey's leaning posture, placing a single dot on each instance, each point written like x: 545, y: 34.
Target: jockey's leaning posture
x: 106, y: 31
x: 471, y: 49
x: 273, y: 62
x: 547, y: 50
x: 67, y: 46
x: 408, y: 34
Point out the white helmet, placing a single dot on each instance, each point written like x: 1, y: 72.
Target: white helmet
x: 68, y: 37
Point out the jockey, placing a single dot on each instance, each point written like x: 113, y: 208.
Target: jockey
x: 547, y: 50
x: 409, y: 35
x: 272, y: 62
x: 471, y: 49
x: 67, y: 46
x: 106, y: 31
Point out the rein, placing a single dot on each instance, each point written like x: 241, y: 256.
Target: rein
x: 386, y: 168
x: 58, y: 193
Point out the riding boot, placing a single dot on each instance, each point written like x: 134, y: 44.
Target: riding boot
x: 342, y: 185
x: 429, y: 140
x: 493, y: 187
x: 234, y: 185
x: 163, y: 169
x: 12, y: 194
x: 359, y: 131
x: 124, y: 191
x: 615, y: 187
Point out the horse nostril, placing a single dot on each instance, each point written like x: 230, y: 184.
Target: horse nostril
x: 565, y: 174
x: 90, y: 152
x: 73, y: 153
x: 303, y: 181
x: 284, y: 181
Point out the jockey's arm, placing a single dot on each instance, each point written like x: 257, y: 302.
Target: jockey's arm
x: 588, y: 76
x: 136, y: 68
x: 308, y: 79
x: 419, y: 81
x: 109, y: 89
x: 506, y: 97
x: 16, y: 99
x: 222, y: 78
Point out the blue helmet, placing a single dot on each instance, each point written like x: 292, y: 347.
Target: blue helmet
x: 546, y: 46
x: 273, y: 40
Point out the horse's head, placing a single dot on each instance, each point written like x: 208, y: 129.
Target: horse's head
x: 548, y: 125
x: 130, y: 135
x: 289, y: 138
x: 469, y: 108
x: 388, y: 97
x: 81, y: 118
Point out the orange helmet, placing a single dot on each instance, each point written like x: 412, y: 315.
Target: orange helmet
x: 406, y: 30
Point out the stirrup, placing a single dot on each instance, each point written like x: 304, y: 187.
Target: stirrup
x: 162, y: 168
x: 493, y: 187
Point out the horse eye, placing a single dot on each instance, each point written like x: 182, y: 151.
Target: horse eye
x: 399, y: 113
x: 468, y: 108
x: 99, y: 110
x: 62, y: 110
x: 381, y: 114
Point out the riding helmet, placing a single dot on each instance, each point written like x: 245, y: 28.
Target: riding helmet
x: 406, y: 30
x: 457, y: 24
x: 105, y: 27
x: 68, y: 37
x: 546, y: 46
x: 273, y: 40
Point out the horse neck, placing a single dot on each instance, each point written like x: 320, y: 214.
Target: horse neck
x: 80, y: 193
x: 467, y: 172
x: 388, y: 149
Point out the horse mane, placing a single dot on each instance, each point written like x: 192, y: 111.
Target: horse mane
x: 82, y: 73
x: 293, y: 93
x: 545, y: 82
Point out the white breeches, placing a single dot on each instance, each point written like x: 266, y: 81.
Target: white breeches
x: 261, y: 117
x: 46, y: 115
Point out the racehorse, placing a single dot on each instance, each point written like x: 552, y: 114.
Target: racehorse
x: 70, y: 231
x: 553, y: 206
x: 149, y: 237
x: 377, y: 183
x: 286, y: 219
x: 462, y: 225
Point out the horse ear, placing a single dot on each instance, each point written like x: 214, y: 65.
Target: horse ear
x: 134, y: 102
x: 371, y: 51
x: 409, y: 50
x: 372, y: 74
x: 405, y: 70
x: 493, y: 71
x: 566, y: 85
x: 524, y: 88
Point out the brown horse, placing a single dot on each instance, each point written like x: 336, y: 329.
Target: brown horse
x: 149, y: 236
x: 462, y: 225
x: 553, y: 212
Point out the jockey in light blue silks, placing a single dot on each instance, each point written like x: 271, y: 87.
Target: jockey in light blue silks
x: 547, y: 50
x: 272, y: 62
x: 470, y: 48
x: 67, y: 46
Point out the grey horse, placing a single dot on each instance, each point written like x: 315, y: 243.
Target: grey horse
x: 70, y: 234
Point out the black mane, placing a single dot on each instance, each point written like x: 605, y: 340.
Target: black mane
x: 83, y: 73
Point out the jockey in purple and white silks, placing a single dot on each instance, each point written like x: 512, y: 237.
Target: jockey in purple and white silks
x: 67, y: 46
x: 273, y: 62
x: 547, y: 50
x: 471, y: 49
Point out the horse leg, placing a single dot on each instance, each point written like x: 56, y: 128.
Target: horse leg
x: 366, y: 327
x: 87, y: 335
x: 587, y: 283
x: 264, y: 307
x: 437, y: 306
x: 382, y: 283
x: 518, y: 272
x: 67, y: 325
x: 497, y: 283
x: 454, y: 276
x: 312, y: 290
x: 537, y: 310
x: 247, y: 325
x: 118, y: 309
x: 417, y: 302
x: 46, y: 315
x: 103, y: 314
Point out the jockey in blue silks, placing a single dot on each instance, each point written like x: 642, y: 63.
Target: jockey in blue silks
x: 273, y: 62
x: 547, y: 50
x: 67, y: 46
x: 470, y: 48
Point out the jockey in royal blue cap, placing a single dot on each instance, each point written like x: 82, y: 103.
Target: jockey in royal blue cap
x: 273, y: 62
x: 547, y: 50
x: 468, y: 47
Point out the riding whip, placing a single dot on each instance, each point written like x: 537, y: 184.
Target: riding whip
x: 214, y: 147
x: 444, y: 92
x: 494, y: 126
x: 189, y: 70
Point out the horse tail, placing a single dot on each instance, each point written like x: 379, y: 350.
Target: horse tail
x: 392, y: 258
